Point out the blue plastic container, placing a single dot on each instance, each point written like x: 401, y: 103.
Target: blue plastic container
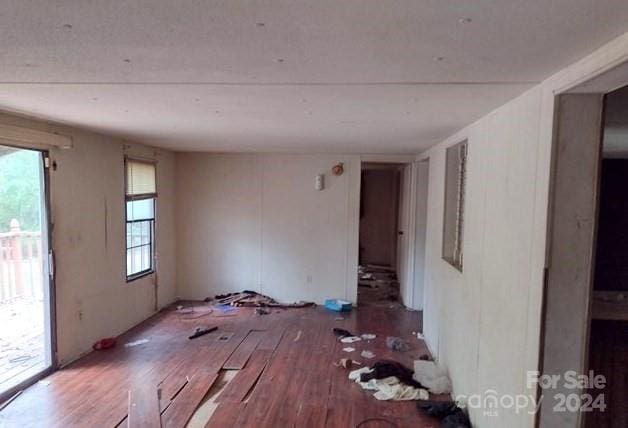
x: 338, y: 305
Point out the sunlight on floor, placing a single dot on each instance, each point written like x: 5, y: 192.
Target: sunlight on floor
x: 22, y: 351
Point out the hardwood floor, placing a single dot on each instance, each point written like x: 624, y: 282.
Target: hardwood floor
x: 608, y: 356
x: 286, y: 377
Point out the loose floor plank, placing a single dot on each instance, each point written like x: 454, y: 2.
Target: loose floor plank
x: 144, y: 407
x: 243, y: 352
x: 180, y: 411
x: 225, y: 415
x: 271, y: 339
x: 241, y: 384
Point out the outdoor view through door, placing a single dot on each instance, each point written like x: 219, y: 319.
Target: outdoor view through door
x: 25, y: 332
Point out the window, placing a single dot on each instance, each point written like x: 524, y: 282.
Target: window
x: 453, y: 224
x: 140, y: 226
x: 140, y: 218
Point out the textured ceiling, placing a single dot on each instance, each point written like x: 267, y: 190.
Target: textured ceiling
x: 327, y: 75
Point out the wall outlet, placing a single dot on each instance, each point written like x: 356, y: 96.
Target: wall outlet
x: 319, y: 182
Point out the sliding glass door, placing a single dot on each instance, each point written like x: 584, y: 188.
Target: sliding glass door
x: 25, y: 285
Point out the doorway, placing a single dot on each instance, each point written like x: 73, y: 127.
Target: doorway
x: 608, y: 350
x: 583, y: 308
x: 25, y: 286
x: 379, y: 243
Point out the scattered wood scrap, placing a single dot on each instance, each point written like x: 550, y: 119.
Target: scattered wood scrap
x: 252, y: 299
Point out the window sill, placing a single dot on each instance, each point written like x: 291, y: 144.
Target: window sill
x: 139, y: 275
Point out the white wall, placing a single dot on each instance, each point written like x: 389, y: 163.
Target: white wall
x: 476, y: 320
x: 93, y: 298
x: 484, y: 324
x: 255, y: 221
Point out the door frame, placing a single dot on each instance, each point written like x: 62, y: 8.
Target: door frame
x: 571, y: 230
x: 407, y: 219
x: 46, y: 163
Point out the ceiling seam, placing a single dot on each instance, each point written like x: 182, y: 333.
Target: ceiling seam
x: 202, y: 83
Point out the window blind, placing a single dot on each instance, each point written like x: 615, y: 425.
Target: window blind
x: 140, y: 179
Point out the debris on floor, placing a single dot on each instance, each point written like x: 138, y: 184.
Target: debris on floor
x: 298, y: 336
x: 338, y: 305
x: 224, y: 337
x: 432, y: 377
x: 225, y: 308
x: 348, y: 349
x: 387, y: 388
x: 367, y: 354
x: 350, y: 339
x: 136, y: 343
x: 224, y: 315
x: 397, y: 344
x: 347, y: 363
x: 253, y: 299
x: 106, y: 343
x: 341, y: 332
x: 387, y: 368
x: 192, y: 312
x: 368, y: 336
x: 449, y: 413
x: 262, y: 311
x: 377, y: 285
x: 202, y: 331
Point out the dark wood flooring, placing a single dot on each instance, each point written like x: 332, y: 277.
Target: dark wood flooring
x: 608, y: 356
x: 286, y: 379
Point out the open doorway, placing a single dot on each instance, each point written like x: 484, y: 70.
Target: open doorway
x: 583, y: 309
x: 608, y: 341
x: 379, y: 245
x: 25, y: 309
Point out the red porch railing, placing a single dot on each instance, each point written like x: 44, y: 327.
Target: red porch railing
x: 21, y: 264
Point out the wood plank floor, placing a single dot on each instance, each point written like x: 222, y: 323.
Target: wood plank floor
x: 287, y: 379
x: 608, y: 356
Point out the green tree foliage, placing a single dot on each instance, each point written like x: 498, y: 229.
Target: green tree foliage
x: 20, y: 189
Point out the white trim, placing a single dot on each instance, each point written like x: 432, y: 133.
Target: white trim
x: 590, y: 67
x: 30, y: 138
x: 411, y: 242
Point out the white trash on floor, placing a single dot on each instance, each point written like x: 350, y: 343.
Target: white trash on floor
x: 434, y: 378
x: 388, y: 388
